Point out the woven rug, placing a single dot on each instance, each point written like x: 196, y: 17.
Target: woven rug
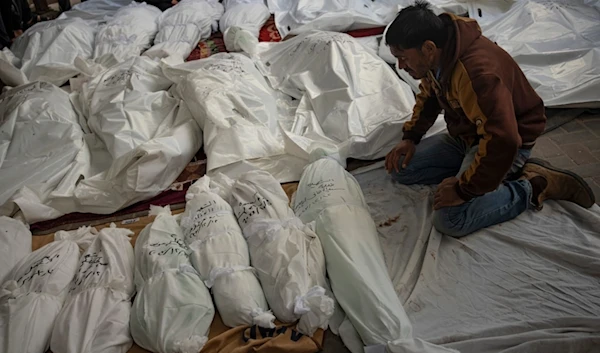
x: 206, y: 48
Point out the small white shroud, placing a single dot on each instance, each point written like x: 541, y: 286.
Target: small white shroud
x: 32, y: 296
x: 95, y: 318
x: 220, y: 254
x: 286, y: 254
x: 182, y: 26
x: 173, y: 310
x: 128, y: 33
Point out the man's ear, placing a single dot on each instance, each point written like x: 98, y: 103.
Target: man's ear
x: 428, y: 48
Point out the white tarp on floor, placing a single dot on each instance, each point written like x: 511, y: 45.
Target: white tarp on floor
x: 526, y: 285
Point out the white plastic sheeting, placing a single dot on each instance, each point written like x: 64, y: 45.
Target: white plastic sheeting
x: 250, y: 15
x: 331, y: 198
x: 182, y: 26
x: 557, y: 45
x: 517, y: 287
x: 173, y: 310
x: 16, y: 244
x: 48, y: 49
x: 95, y: 10
x: 128, y: 33
x: 349, y: 98
x: 33, y: 295
x: 295, y: 17
x: 299, y: 16
x: 286, y: 254
x: 128, y: 105
x: 39, y: 136
x: 94, y: 181
x: 239, y: 115
x: 95, y: 317
x: 220, y: 254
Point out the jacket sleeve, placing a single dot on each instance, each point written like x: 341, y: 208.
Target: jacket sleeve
x: 487, y: 103
x: 425, y: 113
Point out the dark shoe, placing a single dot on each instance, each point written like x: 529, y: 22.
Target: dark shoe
x: 551, y: 183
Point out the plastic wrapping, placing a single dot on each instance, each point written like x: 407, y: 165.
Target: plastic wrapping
x: 94, y: 182
x: 173, y: 310
x: 48, y: 49
x: 128, y: 105
x: 95, y: 10
x: 32, y: 296
x: 128, y: 33
x: 16, y: 244
x: 295, y: 17
x: 220, y: 255
x: 557, y: 45
x: 238, y: 113
x: 331, y: 198
x: 39, y: 136
x: 349, y: 97
x: 248, y: 15
x: 95, y: 317
x: 182, y: 26
x: 286, y: 254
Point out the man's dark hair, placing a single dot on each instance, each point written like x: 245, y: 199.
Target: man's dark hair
x: 414, y: 25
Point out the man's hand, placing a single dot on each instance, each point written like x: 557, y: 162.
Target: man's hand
x: 405, y: 148
x: 445, y: 195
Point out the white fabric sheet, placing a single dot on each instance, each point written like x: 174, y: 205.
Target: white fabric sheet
x: 287, y: 254
x: 331, y: 198
x: 299, y: 16
x: 349, y: 97
x: 182, y: 26
x: 173, y: 310
x: 239, y: 115
x: 557, y: 45
x: 527, y: 285
x: 48, y: 49
x: 16, y: 244
x: 220, y: 254
x: 95, y: 317
x: 248, y: 15
x: 127, y: 34
x: 95, y: 10
x: 295, y: 17
x: 33, y: 295
x: 128, y: 105
x: 39, y: 136
x: 94, y: 181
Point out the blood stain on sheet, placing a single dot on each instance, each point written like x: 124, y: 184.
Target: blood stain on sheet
x: 389, y: 221
x: 433, y: 255
x: 415, y: 307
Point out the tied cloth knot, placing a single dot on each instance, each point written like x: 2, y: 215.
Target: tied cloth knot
x: 217, y: 272
x: 192, y: 344
x: 263, y: 318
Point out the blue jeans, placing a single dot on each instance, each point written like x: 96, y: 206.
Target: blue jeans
x: 443, y: 156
